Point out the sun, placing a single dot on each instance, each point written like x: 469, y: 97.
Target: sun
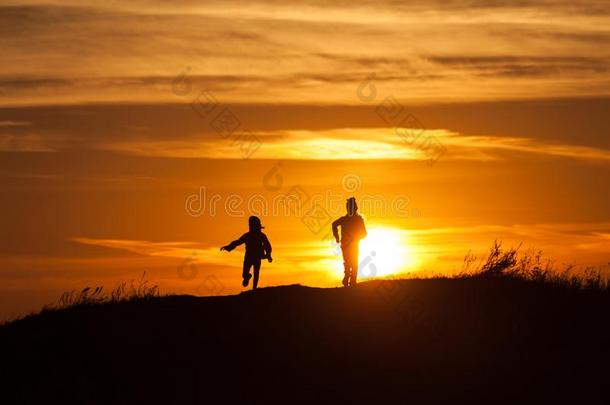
x: 385, y: 251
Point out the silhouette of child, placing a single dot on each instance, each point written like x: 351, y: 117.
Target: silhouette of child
x: 352, y: 231
x: 257, y: 248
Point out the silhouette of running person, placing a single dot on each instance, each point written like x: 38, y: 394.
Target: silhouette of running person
x: 257, y: 248
x: 352, y: 231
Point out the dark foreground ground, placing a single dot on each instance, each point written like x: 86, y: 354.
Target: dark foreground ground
x: 450, y: 341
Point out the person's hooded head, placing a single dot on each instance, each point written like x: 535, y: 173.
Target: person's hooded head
x: 254, y: 223
x: 351, y: 206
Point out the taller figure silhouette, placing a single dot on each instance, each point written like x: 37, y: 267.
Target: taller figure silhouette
x: 352, y: 231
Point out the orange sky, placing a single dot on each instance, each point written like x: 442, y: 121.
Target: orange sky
x: 478, y: 120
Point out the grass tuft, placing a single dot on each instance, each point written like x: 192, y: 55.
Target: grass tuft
x: 122, y: 291
x: 530, y: 265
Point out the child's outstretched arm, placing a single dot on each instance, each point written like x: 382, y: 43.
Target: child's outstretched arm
x: 267, y: 248
x: 234, y: 244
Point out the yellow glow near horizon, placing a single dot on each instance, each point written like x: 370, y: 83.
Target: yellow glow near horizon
x: 385, y: 251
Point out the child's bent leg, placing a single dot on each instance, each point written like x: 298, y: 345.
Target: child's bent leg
x: 246, y: 271
x: 257, y: 267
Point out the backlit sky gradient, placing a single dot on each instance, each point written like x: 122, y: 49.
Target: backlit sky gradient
x: 104, y: 136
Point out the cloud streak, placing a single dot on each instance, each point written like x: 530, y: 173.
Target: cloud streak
x: 358, y: 143
x: 314, y: 52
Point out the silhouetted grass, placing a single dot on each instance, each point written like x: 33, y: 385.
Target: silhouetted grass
x: 532, y: 266
x: 122, y: 291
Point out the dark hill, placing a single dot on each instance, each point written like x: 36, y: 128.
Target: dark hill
x: 470, y: 340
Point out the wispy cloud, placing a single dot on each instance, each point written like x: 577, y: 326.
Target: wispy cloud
x: 361, y: 143
x: 486, y: 148
x: 266, y: 51
x: 26, y: 143
x: 180, y: 250
x: 9, y: 124
x: 295, y: 254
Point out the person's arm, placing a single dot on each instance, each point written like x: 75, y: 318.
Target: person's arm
x: 234, y: 244
x: 336, y: 225
x: 267, y: 248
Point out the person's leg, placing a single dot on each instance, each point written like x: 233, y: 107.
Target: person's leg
x: 246, y: 271
x: 354, y: 267
x: 346, y: 268
x: 257, y: 268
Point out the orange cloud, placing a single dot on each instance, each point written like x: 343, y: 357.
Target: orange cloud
x: 132, y: 51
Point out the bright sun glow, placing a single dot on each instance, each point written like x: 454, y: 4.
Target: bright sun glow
x: 385, y: 251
